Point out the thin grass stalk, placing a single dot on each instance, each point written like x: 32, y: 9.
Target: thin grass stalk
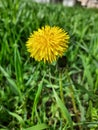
x: 73, y: 99
x: 61, y: 87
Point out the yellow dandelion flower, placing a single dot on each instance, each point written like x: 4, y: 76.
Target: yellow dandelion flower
x: 47, y: 43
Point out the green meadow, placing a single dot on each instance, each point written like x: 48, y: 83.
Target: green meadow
x: 35, y: 95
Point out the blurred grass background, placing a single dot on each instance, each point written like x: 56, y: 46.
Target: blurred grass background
x: 29, y: 90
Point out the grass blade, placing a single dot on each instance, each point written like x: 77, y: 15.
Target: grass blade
x: 37, y: 127
x: 12, y: 85
x: 37, y: 97
x: 19, y: 118
x: 18, y: 67
x: 63, y: 109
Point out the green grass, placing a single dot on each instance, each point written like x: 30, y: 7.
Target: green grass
x: 29, y: 90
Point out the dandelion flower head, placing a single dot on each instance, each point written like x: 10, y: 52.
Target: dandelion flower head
x: 47, y: 43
